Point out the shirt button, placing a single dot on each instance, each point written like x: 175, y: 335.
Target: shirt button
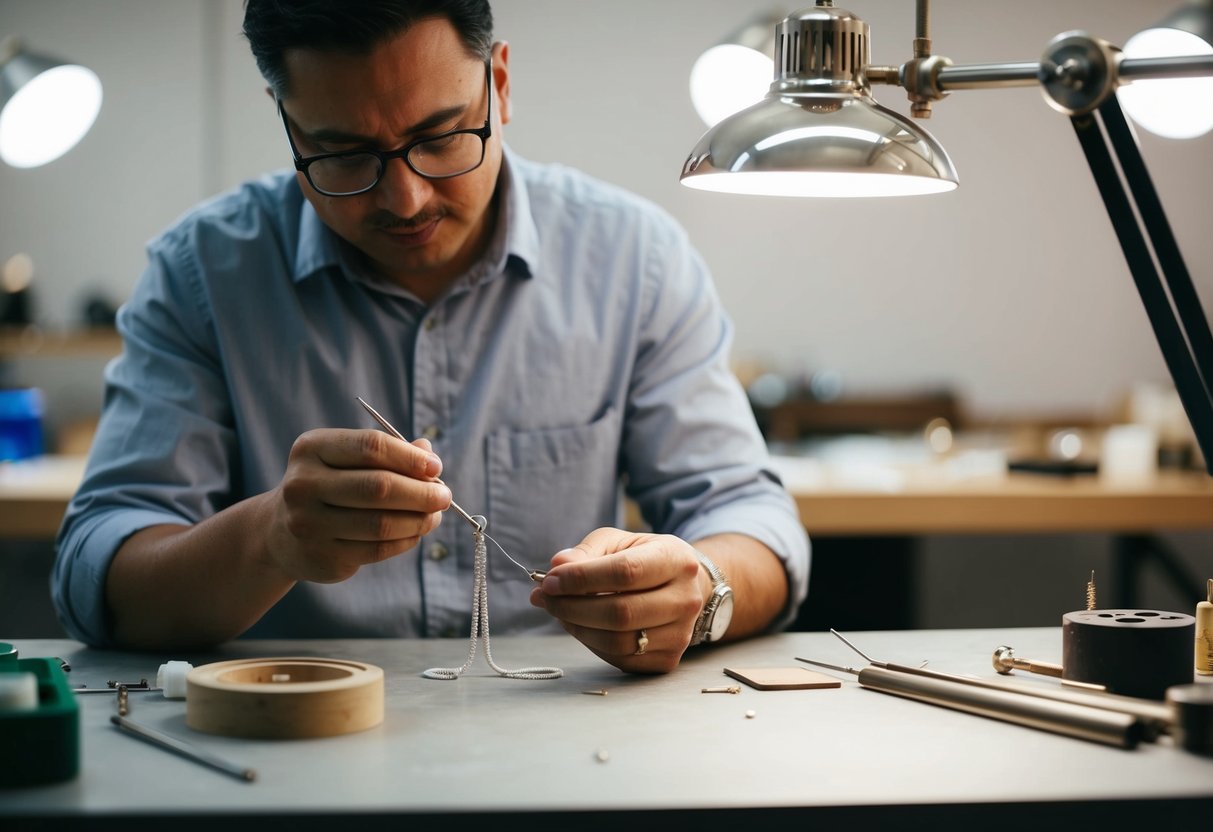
x: 432, y: 432
x: 430, y: 323
x: 438, y: 551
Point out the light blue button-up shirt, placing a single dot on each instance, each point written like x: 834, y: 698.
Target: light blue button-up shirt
x: 585, y: 355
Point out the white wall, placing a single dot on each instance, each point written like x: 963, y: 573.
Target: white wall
x: 1011, y: 289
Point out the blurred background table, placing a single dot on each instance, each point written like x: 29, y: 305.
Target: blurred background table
x: 867, y: 513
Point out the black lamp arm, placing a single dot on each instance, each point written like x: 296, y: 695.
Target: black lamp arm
x: 1154, y: 259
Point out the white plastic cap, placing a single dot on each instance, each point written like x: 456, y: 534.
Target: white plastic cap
x: 171, y: 678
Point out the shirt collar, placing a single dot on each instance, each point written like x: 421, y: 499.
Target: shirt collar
x: 514, y: 248
x: 522, y: 237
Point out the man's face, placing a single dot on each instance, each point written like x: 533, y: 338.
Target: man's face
x: 421, y: 233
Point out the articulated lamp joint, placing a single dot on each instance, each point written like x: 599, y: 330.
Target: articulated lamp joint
x: 1078, y: 72
x: 920, y: 78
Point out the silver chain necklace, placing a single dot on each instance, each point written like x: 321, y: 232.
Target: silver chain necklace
x: 480, y: 589
x: 480, y: 619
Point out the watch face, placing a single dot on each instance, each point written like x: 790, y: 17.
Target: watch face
x: 724, y: 614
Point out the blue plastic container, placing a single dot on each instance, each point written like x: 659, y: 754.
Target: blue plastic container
x: 20, y: 423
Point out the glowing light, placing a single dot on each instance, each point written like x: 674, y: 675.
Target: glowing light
x: 1178, y: 108
x: 729, y: 78
x: 49, y: 115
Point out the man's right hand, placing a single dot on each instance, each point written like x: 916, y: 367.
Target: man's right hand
x: 349, y: 498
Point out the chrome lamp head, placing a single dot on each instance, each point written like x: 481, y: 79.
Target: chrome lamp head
x: 819, y: 131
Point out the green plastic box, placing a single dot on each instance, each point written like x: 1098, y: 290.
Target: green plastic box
x: 42, y: 744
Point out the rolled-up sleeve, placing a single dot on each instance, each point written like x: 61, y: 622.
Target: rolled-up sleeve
x: 697, y: 464
x: 161, y: 451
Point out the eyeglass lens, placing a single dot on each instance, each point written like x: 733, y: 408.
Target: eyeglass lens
x: 444, y: 156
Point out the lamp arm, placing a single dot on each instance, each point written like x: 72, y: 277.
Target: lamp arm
x: 1094, y: 74
x: 928, y: 78
x: 1079, y: 75
x: 1154, y: 260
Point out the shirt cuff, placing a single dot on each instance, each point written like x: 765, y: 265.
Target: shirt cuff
x: 82, y: 564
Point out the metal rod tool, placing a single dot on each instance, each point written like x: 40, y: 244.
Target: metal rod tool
x: 1080, y: 721
x: 1155, y: 717
x: 186, y: 750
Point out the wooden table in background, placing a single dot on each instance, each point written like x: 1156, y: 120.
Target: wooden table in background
x: 891, y: 502
x: 34, y: 494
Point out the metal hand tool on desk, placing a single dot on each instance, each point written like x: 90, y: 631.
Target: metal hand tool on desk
x: 1005, y: 661
x: 1119, y: 721
x: 183, y: 748
x: 1081, y: 721
x: 1155, y: 717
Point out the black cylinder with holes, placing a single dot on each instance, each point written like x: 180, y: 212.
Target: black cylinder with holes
x: 1132, y: 652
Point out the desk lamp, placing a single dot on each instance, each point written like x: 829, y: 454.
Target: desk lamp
x: 46, y: 105
x: 1178, y: 108
x: 735, y: 72
x: 819, y: 132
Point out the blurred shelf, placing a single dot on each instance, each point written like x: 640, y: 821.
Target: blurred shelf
x: 800, y: 417
x: 32, y: 341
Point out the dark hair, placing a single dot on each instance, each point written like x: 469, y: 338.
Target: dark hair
x: 351, y: 26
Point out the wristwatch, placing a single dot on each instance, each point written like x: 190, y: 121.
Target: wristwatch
x: 718, y: 610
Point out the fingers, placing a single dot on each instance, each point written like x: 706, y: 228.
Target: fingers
x: 359, y: 525
x: 372, y: 489
x: 353, y: 497
x: 662, y: 647
x: 614, y: 586
x: 364, y: 469
x: 610, y: 560
x: 370, y: 449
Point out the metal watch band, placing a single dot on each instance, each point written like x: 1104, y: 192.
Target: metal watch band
x: 699, y: 634
x: 713, y: 570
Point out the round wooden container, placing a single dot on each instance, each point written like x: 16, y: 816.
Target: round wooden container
x: 284, y: 698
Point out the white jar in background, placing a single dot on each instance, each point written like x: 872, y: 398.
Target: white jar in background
x: 1129, y: 452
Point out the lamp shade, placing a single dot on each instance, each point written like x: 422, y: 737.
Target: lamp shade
x: 1178, y: 108
x: 819, y: 131
x: 819, y: 145
x: 46, y: 106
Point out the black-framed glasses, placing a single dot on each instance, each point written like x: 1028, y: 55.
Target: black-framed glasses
x: 351, y: 172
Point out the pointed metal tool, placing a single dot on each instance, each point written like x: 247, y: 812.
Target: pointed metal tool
x: 477, y: 521
x: 386, y: 425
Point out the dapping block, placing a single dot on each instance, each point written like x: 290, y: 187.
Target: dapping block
x: 1132, y: 652
x: 284, y: 698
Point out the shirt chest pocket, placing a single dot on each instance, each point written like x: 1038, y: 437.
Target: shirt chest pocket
x: 548, y: 488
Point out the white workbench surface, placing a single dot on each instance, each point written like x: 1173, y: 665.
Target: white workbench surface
x: 487, y: 745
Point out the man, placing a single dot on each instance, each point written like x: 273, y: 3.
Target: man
x: 548, y: 337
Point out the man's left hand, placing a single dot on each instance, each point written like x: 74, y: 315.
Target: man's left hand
x: 617, y: 588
